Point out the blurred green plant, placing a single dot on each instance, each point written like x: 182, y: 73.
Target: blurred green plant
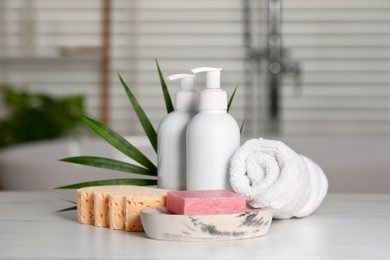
x: 145, y: 168
x: 32, y: 117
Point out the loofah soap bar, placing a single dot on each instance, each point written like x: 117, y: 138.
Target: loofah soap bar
x: 117, y: 207
x: 205, y: 202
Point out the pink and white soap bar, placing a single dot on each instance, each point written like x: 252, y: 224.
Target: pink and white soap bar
x: 205, y: 202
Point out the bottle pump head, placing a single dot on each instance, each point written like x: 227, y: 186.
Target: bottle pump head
x: 187, y: 97
x: 212, y: 97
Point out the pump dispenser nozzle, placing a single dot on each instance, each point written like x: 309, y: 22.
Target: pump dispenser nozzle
x: 213, y: 76
x: 187, y: 97
x: 212, y: 97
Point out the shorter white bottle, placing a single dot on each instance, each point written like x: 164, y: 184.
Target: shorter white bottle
x: 171, y: 136
x: 213, y: 136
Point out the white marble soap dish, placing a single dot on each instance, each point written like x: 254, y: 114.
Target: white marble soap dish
x: 159, y: 224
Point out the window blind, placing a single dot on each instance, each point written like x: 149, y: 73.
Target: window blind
x: 342, y: 46
x: 180, y: 34
x: 344, y: 51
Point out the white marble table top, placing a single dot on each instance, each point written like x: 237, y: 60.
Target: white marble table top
x: 346, y: 226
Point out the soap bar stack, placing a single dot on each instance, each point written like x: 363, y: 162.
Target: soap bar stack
x: 205, y: 215
x: 117, y: 207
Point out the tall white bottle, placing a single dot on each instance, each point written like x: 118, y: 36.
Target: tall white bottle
x: 171, y: 148
x: 213, y: 136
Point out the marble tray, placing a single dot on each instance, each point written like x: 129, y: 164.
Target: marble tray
x: 159, y: 224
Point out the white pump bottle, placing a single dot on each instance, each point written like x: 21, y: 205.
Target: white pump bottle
x: 213, y: 136
x: 171, y: 148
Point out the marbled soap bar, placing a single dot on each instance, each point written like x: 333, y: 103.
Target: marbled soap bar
x: 205, y: 202
x: 160, y: 224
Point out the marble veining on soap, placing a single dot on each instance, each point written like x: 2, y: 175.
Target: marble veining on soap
x: 211, y: 229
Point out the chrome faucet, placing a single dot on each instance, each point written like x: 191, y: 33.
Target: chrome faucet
x: 275, y: 56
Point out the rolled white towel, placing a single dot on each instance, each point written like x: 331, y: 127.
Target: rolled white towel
x: 269, y: 173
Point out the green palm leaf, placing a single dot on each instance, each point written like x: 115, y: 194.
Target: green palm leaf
x: 144, y: 120
x: 119, y: 142
x: 68, y: 209
x: 232, y: 97
x: 138, y: 182
x: 167, y: 97
x: 110, y: 164
x: 242, y: 125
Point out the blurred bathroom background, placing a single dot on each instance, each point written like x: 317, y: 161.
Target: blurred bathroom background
x: 313, y: 73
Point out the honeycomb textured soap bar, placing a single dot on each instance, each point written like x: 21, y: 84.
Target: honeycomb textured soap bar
x: 86, y: 204
x: 101, y: 199
x: 205, y: 202
x: 117, y: 207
